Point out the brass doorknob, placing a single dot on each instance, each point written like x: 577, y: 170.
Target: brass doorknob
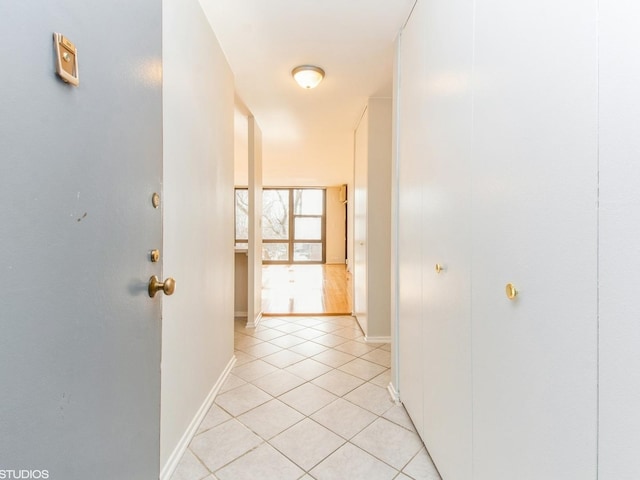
x: 439, y: 268
x: 155, y: 285
x: 511, y: 291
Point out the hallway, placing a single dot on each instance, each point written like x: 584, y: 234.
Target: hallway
x: 307, y: 399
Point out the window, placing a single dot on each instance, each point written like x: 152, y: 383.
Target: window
x: 293, y: 224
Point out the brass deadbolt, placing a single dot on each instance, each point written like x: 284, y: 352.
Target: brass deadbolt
x: 167, y: 287
x: 154, y: 255
x: 155, y: 200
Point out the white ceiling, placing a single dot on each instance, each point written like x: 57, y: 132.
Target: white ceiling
x: 308, y: 134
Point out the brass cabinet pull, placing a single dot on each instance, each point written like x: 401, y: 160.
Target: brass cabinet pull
x: 439, y: 268
x: 167, y: 287
x: 511, y: 291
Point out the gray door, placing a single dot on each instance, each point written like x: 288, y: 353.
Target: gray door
x: 80, y: 337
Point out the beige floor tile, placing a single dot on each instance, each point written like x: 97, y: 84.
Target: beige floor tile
x: 337, y: 382
x: 242, y: 399
x: 214, y: 417
x: 309, y: 333
x: 271, y: 322
x: 422, y: 467
x: 242, y: 341
x: 290, y: 327
x: 371, y: 397
x: 334, y: 358
x: 287, y: 341
x: 348, y: 332
x: 344, y: 321
x: 242, y: 358
x: 231, y: 383
x: 283, y: 359
x: 264, y: 463
x: 328, y: 327
x: 355, y: 348
x: 307, y: 398
x: 253, y: 370
x: 267, y: 334
x: 223, y: 444
x: 189, y: 468
x: 349, y: 462
x: 307, y: 443
x: 362, y: 368
x: 308, y: 369
x: 309, y: 321
x: 344, y: 418
x: 270, y: 438
x: 381, y: 357
x: 308, y: 349
x: 278, y: 382
x: 388, y: 442
x: 270, y: 419
x: 261, y: 350
x: 402, y: 476
x: 398, y: 415
x: 383, y: 379
x: 330, y: 340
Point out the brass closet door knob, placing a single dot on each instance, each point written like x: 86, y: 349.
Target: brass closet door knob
x: 439, y: 268
x: 511, y: 291
x: 167, y: 287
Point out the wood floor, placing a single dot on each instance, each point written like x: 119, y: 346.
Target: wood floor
x: 306, y: 290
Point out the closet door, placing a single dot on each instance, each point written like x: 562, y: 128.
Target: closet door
x: 535, y: 225
x: 410, y: 149
x: 619, y: 271
x: 446, y: 207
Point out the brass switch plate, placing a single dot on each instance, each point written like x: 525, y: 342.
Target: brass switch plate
x: 66, y: 59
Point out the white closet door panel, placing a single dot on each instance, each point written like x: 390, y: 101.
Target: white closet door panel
x: 619, y: 382
x: 535, y: 224
x: 447, y: 235
x: 410, y: 146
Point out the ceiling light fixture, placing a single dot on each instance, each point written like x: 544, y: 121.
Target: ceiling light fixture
x: 308, y: 76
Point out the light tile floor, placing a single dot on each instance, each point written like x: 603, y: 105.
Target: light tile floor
x: 307, y: 399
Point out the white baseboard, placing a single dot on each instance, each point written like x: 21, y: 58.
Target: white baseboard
x: 254, y: 323
x: 377, y: 339
x: 178, y: 452
x: 393, y: 393
x: 240, y: 314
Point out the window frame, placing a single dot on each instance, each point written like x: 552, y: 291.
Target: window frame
x: 291, y: 241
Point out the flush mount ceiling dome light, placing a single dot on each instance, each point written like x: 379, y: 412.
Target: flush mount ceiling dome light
x: 308, y: 76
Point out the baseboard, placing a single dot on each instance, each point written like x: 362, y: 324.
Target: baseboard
x: 395, y: 396
x: 178, y: 452
x: 254, y: 323
x: 377, y: 339
x: 240, y: 314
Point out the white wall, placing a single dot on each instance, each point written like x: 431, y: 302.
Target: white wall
x: 372, y: 220
x: 197, y: 337
x: 336, y: 231
x: 241, y: 147
x: 254, y: 271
